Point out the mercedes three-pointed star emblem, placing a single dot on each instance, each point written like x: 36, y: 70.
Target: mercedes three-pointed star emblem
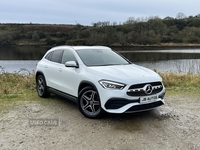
x: 148, y: 89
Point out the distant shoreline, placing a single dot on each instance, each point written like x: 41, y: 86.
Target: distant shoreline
x: 132, y: 47
x: 157, y: 47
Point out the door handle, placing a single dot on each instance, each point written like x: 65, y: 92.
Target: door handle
x: 45, y: 66
x: 60, y: 69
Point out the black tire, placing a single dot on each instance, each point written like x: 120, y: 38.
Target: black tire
x: 41, y: 86
x: 89, y: 103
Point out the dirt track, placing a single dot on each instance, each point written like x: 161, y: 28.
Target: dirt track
x: 176, y: 125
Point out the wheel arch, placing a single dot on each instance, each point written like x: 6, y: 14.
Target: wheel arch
x: 84, y: 84
x: 39, y: 73
x: 45, y: 93
x: 83, y: 87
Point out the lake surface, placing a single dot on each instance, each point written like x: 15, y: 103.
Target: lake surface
x: 19, y: 59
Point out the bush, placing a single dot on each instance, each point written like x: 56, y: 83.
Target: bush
x: 6, y: 39
x: 50, y: 41
x: 29, y: 35
x: 35, y: 37
x: 60, y: 42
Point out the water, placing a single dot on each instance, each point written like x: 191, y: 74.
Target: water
x: 20, y: 59
x: 15, y: 59
x: 176, y: 66
x: 18, y: 66
x: 172, y: 60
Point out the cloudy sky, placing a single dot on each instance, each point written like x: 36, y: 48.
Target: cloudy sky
x: 86, y: 12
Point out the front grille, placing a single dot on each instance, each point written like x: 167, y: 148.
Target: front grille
x: 145, y: 106
x: 139, y: 89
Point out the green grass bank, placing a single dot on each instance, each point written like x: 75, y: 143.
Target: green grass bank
x: 14, y: 83
x: 19, y: 87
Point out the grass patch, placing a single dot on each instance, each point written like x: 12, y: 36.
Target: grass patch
x: 10, y: 96
x: 15, y: 87
x: 182, y: 81
x: 13, y: 84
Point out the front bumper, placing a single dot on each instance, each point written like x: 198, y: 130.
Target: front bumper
x: 119, y: 102
x: 126, y: 106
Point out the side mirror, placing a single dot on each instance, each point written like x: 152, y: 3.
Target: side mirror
x: 71, y: 64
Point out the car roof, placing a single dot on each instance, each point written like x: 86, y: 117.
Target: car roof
x: 79, y: 47
x: 89, y: 47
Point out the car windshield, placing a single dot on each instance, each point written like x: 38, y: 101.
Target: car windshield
x: 101, y: 57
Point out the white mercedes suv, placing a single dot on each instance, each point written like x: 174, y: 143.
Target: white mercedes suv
x: 99, y: 80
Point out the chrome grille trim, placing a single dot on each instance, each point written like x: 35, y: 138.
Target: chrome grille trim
x: 142, y: 89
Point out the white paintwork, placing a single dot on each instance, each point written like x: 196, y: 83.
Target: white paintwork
x: 68, y: 79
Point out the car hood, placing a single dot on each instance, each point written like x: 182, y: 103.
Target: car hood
x: 124, y: 73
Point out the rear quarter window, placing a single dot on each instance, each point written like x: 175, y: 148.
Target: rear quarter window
x: 56, y: 56
x: 48, y: 56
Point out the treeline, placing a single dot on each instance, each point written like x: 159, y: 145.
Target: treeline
x: 140, y: 31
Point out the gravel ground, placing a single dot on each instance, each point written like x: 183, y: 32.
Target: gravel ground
x: 173, y: 126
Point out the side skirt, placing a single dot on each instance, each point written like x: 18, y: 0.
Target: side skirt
x: 65, y: 95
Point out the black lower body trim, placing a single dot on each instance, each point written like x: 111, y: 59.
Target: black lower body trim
x: 65, y: 95
x: 115, y: 103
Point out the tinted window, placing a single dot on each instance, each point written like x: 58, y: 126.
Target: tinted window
x: 101, y: 57
x: 56, y: 56
x: 68, y: 56
x: 48, y: 56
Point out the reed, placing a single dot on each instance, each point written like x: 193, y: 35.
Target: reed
x: 189, y: 66
x: 16, y: 83
x: 180, y: 80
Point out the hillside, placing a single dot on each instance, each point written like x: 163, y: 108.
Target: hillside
x: 154, y: 31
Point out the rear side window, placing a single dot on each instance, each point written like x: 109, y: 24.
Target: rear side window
x: 56, y: 56
x: 48, y: 56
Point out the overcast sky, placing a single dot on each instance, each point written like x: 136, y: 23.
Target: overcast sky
x: 85, y: 12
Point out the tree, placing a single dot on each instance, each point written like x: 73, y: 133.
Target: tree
x: 131, y: 20
x: 168, y: 18
x: 157, y: 26
x: 180, y: 16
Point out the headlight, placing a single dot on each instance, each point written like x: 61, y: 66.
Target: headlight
x: 111, y: 85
